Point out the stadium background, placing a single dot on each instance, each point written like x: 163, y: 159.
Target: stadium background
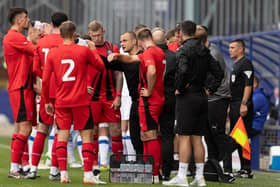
x: 256, y: 21
x: 226, y: 20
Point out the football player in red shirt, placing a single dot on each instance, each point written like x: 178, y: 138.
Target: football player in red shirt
x: 18, y: 53
x: 45, y: 121
x: 69, y: 63
x: 106, y: 97
x: 173, y: 46
x: 152, y: 65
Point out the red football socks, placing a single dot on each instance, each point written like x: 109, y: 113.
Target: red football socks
x: 95, y: 150
x: 54, y: 162
x: 25, y: 156
x: 37, y: 148
x: 87, y: 152
x: 117, y: 146
x: 61, y: 154
x: 18, y: 147
x: 153, y: 147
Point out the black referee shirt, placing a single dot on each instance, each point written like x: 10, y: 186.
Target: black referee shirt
x: 242, y: 75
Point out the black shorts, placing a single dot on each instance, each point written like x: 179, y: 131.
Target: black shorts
x: 191, y: 114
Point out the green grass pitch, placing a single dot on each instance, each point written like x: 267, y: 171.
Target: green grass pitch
x: 262, y: 179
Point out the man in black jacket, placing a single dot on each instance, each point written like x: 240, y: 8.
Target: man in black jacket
x: 193, y: 63
x: 167, y: 117
x: 216, y: 139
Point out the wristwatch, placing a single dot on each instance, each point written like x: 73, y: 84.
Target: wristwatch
x: 244, y: 103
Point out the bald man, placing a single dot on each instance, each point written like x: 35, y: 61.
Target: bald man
x: 167, y: 117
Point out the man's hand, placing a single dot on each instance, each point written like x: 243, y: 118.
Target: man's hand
x: 177, y: 92
x: 113, y: 56
x: 91, y: 45
x: 90, y: 90
x: 117, y: 103
x: 207, y: 92
x: 145, y: 92
x: 243, y: 110
x: 49, y: 108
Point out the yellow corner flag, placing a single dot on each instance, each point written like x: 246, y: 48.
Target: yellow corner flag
x: 239, y: 134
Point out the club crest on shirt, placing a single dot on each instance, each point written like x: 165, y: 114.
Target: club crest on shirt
x: 233, y: 78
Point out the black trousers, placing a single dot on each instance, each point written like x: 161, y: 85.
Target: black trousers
x: 134, y: 128
x: 248, y: 119
x: 215, y: 136
x: 166, y: 122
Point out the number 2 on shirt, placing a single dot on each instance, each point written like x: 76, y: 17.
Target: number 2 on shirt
x: 66, y: 77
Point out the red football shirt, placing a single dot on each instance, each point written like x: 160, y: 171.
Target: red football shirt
x: 18, y: 54
x: 40, y: 56
x: 173, y: 46
x: 103, y: 83
x: 153, y: 56
x: 69, y: 64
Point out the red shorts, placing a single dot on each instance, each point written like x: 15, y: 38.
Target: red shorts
x: 81, y: 117
x: 23, y: 104
x: 102, y: 112
x: 148, y: 116
x: 43, y: 116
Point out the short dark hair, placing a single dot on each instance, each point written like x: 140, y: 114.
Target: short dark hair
x: 95, y: 26
x: 13, y: 12
x: 169, y: 34
x: 58, y: 18
x: 188, y: 28
x: 144, y: 33
x: 177, y: 27
x: 131, y: 34
x: 202, y: 33
x: 139, y: 26
x: 240, y: 42
x: 67, y: 29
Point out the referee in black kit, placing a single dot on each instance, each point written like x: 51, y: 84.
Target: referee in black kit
x: 241, y: 85
x: 193, y: 63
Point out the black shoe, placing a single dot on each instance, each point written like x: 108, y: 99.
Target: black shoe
x: 24, y: 173
x: 15, y: 175
x: 227, y: 178
x: 31, y: 175
x: 244, y: 174
x: 54, y: 177
x: 96, y: 173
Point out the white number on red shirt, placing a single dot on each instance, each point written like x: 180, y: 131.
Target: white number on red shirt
x: 45, y: 51
x: 66, y: 77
